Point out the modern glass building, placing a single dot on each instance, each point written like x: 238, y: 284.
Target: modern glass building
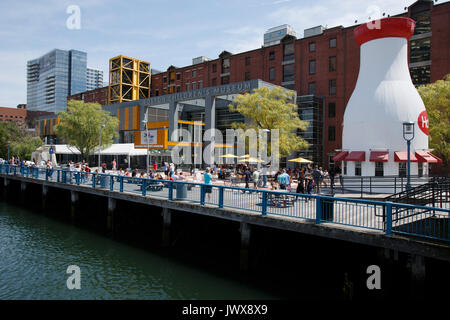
x: 94, y: 79
x: 54, y: 76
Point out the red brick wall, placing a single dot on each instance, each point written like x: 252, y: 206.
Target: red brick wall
x: 99, y: 95
x: 440, y: 42
x: 13, y: 115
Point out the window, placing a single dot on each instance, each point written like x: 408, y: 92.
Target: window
x: 225, y: 80
x: 272, y: 74
x: 332, y: 64
x: 178, y: 76
x: 200, y: 84
x: 312, y: 88
x: 379, y: 169
x: 288, y: 51
x: 194, y: 86
x: 214, y: 67
x: 333, y: 43
x: 188, y: 86
x: 402, y: 169
x: 420, y: 75
x: 194, y: 73
x: 420, y: 172
x: 214, y: 82
x: 247, y: 75
x: 331, y: 109
x: 164, y: 79
x: 331, y: 133
x: 225, y: 65
x: 288, y: 72
x: 178, y: 88
x: 247, y: 61
x: 272, y: 55
x: 332, y: 85
x: 358, y: 168
x: 312, y: 47
x: 156, y: 92
x: 312, y: 66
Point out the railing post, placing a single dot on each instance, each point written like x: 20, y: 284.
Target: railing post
x: 77, y: 178
x: 264, y: 203
x: 121, y: 184
x: 93, y: 180
x: 111, y: 183
x: 170, y: 190
x: 318, y: 209
x: 370, y: 184
x: 144, y: 187
x: 15, y: 170
x: 361, y: 187
x: 221, y: 189
x: 202, y: 195
x: 388, y: 218
x: 58, y: 177
x: 395, y: 185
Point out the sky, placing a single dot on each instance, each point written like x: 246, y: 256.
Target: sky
x: 161, y: 32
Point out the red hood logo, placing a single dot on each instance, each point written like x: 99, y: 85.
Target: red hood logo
x: 422, y: 121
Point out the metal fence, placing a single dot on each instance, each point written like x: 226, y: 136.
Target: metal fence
x: 421, y: 221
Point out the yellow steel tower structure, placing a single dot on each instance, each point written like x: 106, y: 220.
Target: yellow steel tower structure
x: 129, y: 79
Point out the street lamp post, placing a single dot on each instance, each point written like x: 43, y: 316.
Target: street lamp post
x: 148, y: 146
x: 100, y: 145
x: 408, y: 135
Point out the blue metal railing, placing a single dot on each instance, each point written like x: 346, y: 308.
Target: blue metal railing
x: 391, y: 218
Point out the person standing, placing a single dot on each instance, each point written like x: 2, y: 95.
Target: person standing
x: 317, y: 177
x: 255, y: 178
x: 247, y: 177
x: 207, y: 178
x: 114, y: 164
x: 332, y: 174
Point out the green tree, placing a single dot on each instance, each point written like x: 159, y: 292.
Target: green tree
x: 81, y: 124
x: 20, y: 142
x: 272, y: 109
x: 436, y: 97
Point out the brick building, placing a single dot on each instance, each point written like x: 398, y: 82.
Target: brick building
x: 322, y: 67
x: 99, y: 95
x: 17, y: 115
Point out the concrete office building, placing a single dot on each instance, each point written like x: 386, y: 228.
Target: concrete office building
x: 94, y: 79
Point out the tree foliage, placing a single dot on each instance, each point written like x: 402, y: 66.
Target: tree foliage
x: 271, y: 108
x: 436, y: 97
x: 80, y: 126
x: 20, y: 142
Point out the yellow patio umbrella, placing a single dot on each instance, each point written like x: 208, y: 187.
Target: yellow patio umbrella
x: 250, y: 160
x: 245, y: 156
x: 228, y: 155
x: 301, y: 160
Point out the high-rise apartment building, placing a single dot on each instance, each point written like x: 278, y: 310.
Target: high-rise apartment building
x: 54, y: 76
x: 94, y: 79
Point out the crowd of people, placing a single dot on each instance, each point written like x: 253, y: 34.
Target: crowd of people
x: 309, y: 179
